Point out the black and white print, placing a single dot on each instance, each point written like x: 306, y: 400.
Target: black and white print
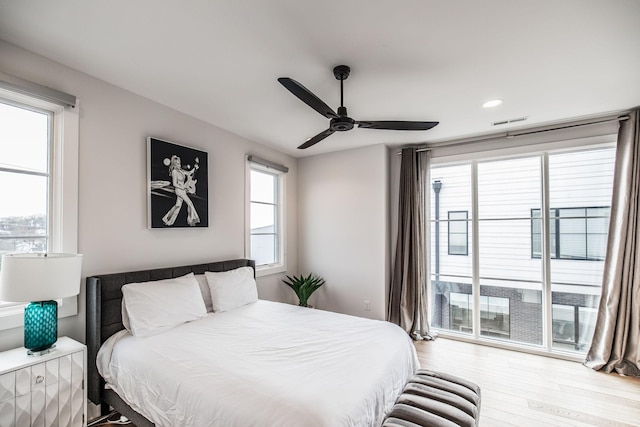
x: 178, y: 185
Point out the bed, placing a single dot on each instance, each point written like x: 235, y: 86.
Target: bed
x: 258, y: 364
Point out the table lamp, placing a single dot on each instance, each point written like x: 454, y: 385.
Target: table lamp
x: 39, y: 278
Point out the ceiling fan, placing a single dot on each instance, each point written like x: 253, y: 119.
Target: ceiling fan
x: 341, y: 122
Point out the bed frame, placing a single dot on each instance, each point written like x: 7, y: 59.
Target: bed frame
x: 104, y: 318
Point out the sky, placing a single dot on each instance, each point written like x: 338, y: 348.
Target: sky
x: 23, y: 141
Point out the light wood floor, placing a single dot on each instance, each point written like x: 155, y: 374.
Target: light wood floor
x: 522, y: 390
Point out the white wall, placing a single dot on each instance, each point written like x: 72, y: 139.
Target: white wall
x: 343, y: 228
x: 113, y: 234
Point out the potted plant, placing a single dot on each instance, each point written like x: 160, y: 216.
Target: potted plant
x: 304, y: 286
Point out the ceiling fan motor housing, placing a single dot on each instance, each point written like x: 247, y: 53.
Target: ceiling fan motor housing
x: 342, y: 123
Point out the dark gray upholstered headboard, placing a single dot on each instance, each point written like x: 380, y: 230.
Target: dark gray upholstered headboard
x: 104, y: 315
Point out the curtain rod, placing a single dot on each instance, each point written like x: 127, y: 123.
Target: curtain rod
x: 267, y: 163
x: 26, y: 87
x: 514, y: 134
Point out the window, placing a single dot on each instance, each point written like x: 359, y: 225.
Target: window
x: 266, y: 215
x: 38, y: 164
x: 494, y: 316
x: 575, y: 233
x: 24, y: 179
x: 509, y: 287
x: 458, y: 233
x: 460, y: 314
x: 573, y: 326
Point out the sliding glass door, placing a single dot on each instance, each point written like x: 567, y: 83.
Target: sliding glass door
x: 518, y: 245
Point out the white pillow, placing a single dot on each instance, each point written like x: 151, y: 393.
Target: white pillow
x: 205, y: 291
x: 152, y: 307
x: 232, y: 289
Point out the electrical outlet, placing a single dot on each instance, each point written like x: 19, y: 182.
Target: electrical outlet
x: 367, y: 305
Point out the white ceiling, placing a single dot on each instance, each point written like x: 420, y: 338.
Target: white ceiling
x: 424, y: 60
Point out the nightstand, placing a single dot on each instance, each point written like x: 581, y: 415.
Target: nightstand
x: 44, y: 390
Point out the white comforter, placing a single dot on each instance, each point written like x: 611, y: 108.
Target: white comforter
x: 263, y: 364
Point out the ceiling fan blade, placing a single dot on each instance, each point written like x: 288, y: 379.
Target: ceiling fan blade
x: 314, y: 140
x: 307, y: 97
x: 397, y: 125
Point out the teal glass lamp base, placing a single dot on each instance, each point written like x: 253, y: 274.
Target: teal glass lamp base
x: 40, y: 326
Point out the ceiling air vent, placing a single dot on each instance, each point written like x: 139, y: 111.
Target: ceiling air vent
x: 507, y: 122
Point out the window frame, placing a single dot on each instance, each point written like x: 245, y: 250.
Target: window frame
x: 62, y: 203
x: 280, y: 265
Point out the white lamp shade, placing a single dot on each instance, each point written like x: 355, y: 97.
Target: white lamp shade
x: 39, y: 277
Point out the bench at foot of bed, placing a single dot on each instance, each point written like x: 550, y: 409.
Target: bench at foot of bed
x: 436, y: 399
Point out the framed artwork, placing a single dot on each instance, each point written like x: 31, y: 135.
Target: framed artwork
x: 177, y: 185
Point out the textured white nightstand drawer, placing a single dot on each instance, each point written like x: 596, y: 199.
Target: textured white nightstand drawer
x: 44, y: 391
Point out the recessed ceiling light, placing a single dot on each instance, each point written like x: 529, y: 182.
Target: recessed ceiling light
x: 492, y: 103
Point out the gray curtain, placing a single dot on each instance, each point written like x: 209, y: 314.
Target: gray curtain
x: 616, y: 339
x: 408, y: 291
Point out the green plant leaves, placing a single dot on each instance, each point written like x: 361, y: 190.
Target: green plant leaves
x: 304, y: 286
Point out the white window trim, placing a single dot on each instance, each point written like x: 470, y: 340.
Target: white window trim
x: 281, y: 266
x: 63, y: 206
